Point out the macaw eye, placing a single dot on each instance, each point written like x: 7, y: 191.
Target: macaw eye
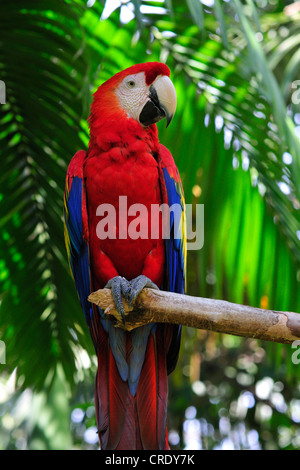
x: 131, y: 83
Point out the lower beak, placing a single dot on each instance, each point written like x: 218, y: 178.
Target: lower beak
x: 161, y: 103
x: 152, y: 112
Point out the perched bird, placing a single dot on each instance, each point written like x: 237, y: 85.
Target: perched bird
x: 125, y: 158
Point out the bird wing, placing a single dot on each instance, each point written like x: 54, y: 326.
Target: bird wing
x: 172, y: 192
x: 77, y: 233
x: 175, y: 278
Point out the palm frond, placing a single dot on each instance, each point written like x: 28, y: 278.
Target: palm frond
x: 45, y: 81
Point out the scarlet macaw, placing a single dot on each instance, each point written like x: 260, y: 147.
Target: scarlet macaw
x: 125, y: 158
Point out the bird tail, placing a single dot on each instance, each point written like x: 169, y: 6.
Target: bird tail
x: 128, y: 421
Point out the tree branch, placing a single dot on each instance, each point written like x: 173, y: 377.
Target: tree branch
x: 208, y: 314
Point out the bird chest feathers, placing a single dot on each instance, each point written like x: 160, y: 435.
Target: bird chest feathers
x: 123, y: 190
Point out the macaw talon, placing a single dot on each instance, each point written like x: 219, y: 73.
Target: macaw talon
x: 137, y: 285
x: 119, y: 287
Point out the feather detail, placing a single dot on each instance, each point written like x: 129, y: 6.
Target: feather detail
x: 117, y: 399
x: 76, y: 231
x: 162, y: 386
x: 139, y: 338
x: 147, y: 398
x: 117, y: 338
x: 101, y: 388
x: 130, y: 434
x: 175, y: 278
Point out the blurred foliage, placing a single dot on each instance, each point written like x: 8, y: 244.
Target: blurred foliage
x: 235, y: 139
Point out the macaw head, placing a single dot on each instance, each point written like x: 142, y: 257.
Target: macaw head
x: 143, y: 92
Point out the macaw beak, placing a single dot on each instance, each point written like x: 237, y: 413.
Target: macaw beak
x: 161, y: 102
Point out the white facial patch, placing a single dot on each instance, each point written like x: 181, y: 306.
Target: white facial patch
x: 133, y: 93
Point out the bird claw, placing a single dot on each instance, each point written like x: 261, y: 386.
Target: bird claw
x: 119, y: 287
x: 137, y: 285
x: 128, y: 289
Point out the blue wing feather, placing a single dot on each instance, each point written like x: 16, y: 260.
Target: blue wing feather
x: 77, y: 247
x: 175, y: 246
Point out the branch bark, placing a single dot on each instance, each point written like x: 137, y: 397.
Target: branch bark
x: 208, y: 314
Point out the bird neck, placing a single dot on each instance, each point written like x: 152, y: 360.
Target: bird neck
x: 120, y: 131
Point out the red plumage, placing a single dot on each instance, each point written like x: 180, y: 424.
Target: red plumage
x: 125, y: 158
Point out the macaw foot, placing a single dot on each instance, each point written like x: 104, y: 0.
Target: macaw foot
x: 119, y: 287
x: 128, y: 289
x: 137, y: 285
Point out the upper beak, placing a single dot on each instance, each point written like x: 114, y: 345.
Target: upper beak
x: 161, y: 103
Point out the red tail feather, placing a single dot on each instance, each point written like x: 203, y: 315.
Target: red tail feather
x: 126, y: 422
x: 162, y: 387
x: 147, y: 398
x: 118, y: 391
x: 101, y: 389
